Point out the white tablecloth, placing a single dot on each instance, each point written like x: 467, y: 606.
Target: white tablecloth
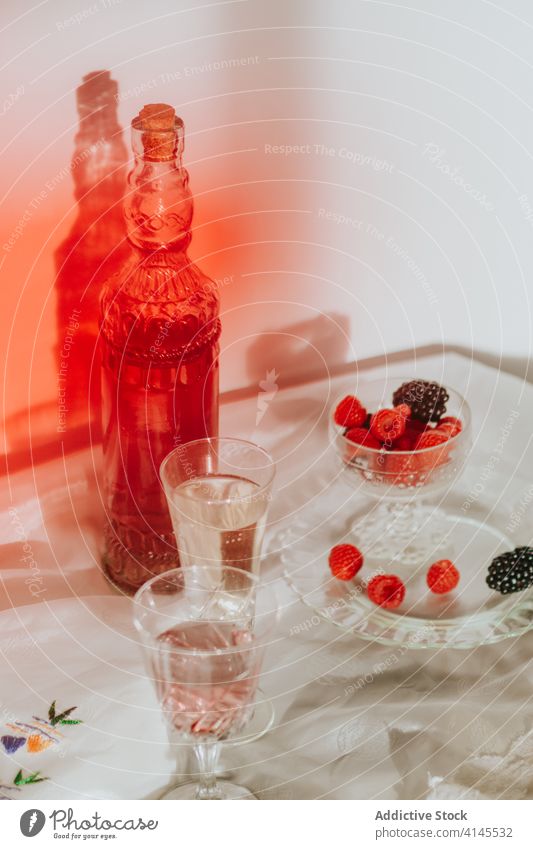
x: 435, y: 724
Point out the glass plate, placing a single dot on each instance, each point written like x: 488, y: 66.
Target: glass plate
x: 470, y: 616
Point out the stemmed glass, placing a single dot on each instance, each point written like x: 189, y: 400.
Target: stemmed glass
x: 218, y: 493
x: 204, y: 632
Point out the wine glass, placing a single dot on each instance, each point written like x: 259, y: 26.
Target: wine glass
x: 403, y: 524
x: 218, y: 493
x: 204, y: 630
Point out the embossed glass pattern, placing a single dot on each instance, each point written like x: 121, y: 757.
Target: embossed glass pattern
x: 160, y: 330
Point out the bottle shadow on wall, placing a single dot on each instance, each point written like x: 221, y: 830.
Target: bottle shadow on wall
x: 91, y: 253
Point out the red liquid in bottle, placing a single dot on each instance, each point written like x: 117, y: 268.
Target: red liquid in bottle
x: 160, y: 330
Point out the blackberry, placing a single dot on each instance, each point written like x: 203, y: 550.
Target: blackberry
x: 512, y: 571
x: 427, y: 400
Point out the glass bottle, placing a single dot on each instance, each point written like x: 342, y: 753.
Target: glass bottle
x: 160, y: 331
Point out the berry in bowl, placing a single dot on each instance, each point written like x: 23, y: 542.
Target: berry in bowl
x: 397, y: 436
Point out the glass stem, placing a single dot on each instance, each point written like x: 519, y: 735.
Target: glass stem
x: 207, y: 753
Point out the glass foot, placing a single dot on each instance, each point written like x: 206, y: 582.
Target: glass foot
x: 222, y: 790
x: 403, y: 535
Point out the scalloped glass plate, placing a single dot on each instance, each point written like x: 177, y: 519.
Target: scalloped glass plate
x: 470, y: 616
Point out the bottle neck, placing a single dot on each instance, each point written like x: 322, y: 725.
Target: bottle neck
x: 158, y: 206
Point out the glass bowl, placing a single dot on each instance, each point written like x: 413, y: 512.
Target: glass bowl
x: 396, y: 475
x: 404, y: 517
x: 404, y: 511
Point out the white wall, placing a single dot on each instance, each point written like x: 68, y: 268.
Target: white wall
x: 431, y: 101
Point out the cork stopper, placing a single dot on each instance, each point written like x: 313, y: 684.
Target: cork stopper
x: 156, y: 122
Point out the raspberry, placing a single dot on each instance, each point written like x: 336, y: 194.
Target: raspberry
x: 349, y: 412
x: 432, y: 437
x: 404, y: 410
x: 403, y: 443
x: 451, y: 424
x: 362, y: 437
x: 427, y: 400
x: 512, y: 571
x: 387, y: 425
x: 442, y: 577
x: 386, y: 591
x: 415, y: 427
x: 399, y: 467
x: 345, y: 561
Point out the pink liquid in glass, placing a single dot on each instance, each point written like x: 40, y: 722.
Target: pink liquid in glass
x: 206, y: 693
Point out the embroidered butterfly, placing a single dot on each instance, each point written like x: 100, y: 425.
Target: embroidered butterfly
x: 39, y: 735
